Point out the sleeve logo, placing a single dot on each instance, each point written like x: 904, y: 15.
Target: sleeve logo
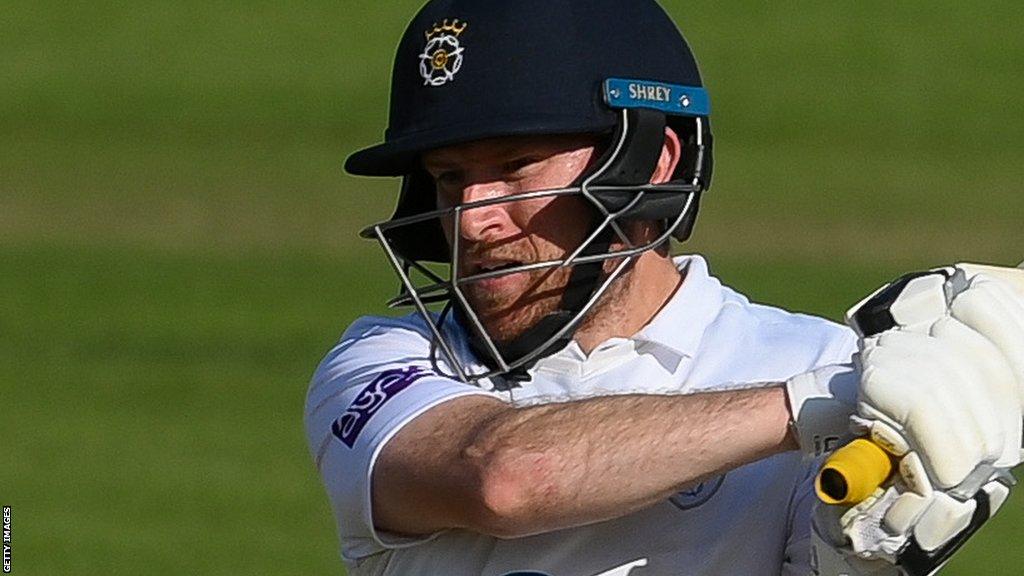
x: 370, y: 400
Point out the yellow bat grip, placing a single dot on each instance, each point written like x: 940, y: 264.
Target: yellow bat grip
x: 852, y: 473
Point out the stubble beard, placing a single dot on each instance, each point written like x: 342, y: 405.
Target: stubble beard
x: 508, y: 315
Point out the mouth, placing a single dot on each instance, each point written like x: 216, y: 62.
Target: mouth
x: 495, y: 276
x: 492, y: 266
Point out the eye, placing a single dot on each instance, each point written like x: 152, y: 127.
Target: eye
x: 448, y: 178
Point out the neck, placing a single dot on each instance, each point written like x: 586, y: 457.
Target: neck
x: 631, y: 302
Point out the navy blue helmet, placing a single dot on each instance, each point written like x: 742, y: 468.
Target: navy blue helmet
x: 467, y: 70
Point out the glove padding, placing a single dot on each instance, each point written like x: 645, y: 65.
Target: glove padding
x: 995, y: 309
x: 855, y: 540
x: 821, y: 403
x: 950, y: 395
x: 943, y: 391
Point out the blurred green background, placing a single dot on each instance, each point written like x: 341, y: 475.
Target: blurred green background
x: 178, y: 249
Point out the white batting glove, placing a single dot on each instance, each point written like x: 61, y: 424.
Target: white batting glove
x: 949, y: 396
x: 949, y: 416
x: 858, y: 541
x: 822, y: 400
x: 820, y: 405
x: 994, y: 307
x: 942, y: 391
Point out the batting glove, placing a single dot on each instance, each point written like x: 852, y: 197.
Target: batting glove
x: 820, y: 404
x: 942, y: 391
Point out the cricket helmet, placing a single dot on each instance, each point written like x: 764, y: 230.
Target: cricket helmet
x: 468, y: 70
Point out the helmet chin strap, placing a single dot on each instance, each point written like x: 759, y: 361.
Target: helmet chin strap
x: 584, y: 282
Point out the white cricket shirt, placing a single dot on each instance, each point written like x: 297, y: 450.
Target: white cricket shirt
x: 754, y: 520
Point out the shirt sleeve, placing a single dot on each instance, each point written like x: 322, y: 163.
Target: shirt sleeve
x: 376, y: 380
x: 842, y: 348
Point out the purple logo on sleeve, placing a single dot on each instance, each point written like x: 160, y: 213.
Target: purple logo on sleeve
x: 370, y: 399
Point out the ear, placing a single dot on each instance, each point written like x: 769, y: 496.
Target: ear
x: 671, y: 154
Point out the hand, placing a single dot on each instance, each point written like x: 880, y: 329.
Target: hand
x: 948, y: 397
x: 854, y: 541
x: 945, y: 403
x: 942, y: 390
x: 974, y: 353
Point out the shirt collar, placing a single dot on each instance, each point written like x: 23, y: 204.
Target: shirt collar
x: 680, y: 325
x: 677, y: 328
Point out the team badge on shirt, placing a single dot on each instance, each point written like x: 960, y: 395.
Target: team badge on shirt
x: 697, y: 495
x: 441, y: 58
x: 370, y: 400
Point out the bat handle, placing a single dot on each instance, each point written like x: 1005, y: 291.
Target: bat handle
x: 853, y: 472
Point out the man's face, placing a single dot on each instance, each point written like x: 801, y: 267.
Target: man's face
x: 516, y: 232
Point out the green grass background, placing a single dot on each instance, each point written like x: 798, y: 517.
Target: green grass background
x: 177, y: 238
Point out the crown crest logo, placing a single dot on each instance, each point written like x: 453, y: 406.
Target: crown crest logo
x: 453, y: 28
x: 441, y: 58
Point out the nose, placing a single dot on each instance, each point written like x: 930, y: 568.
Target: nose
x: 485, y: 223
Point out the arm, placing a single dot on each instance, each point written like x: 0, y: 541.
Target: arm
x: 476, y: 463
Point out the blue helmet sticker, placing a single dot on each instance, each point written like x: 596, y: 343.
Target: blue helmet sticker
x: 669, y: 98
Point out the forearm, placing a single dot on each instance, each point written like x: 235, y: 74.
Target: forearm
x: 559, y: 465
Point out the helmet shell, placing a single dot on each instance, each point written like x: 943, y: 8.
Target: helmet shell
x: 467, y: 70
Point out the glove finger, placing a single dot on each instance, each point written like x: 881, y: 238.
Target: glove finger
x: 904, y: 378
x: 905, y: 512
x: 997, y: 494
x: 995, y: 311
x: 993, y: 377
x: 988, y: 412
x: 944, y: 442
x: 945, y: 518
x: 925, y: 370
x: 947, y: 370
